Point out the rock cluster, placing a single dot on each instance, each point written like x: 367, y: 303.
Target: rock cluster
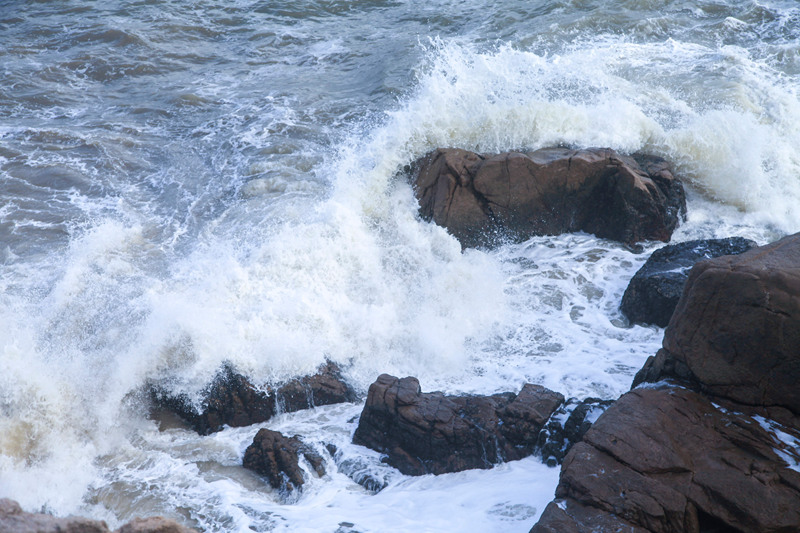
x: 481, y: 199
x: 232, y: 400
x: 714, y: 444
x: 655, y: 289
x: 433, y: 433
x: 14, y: 520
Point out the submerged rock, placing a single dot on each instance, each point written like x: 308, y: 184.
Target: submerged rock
x: 277, y: 457
x: 655, y: 289
x: 714, y: 445
x: 432, y: 433
x: 14, y: 520
x: 231, y: 399
x: 547, y: 192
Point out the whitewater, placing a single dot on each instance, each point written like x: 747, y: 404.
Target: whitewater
x: 188, y: 184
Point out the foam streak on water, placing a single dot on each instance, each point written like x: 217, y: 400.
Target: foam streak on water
x: 188, y: 184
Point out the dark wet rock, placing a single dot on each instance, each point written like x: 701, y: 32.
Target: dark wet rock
x: 736, y: 330
x: 483, y: 199
x: 433, y: 433
x: 231, y: 399
x: 669, y: 460
x: 277, y: 457
x: 655, y: 289
x: 567, y: 426
x: 14, y: 520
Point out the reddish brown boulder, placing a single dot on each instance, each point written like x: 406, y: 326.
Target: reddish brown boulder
x: 232, y: 400
x: 736, y: 330
x: 277, y: 457
x: 550, y: 191
x: 432, y: 433
x: 669, y: 460
x: 14, y: 520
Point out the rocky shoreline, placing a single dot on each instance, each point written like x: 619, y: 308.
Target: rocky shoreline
x: 707, y: 440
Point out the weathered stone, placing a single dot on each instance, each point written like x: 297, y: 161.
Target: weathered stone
x: 654, y: 291
x: 14, y: 520
x: 232, y: 400
x: 668, y: 460
x: 276, y: 457
x: 736, y: 330
x: 433, y: 433
x: 482, y: 199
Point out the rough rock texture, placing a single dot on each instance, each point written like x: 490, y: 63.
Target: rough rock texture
x: 432, y: 433
x: 276, y: 457
x: 232, y: 400
x: 736, y: 330
x: 14, y: 520
x: 550, y: 191
x: 670, y: 460
x: 567, y: 426
x: 714, y: 447
x: 655, y: 289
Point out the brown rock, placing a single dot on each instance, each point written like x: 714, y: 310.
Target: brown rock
x: 550, y: 191
x: 14, y: 520
x: 736, y: 330
x: 432, y: 433
x: 276, y: 457
x: 668, y: 460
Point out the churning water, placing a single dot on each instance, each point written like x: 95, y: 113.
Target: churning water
x: 185, y: 183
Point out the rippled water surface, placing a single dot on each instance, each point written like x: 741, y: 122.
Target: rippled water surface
x: 188, y: 183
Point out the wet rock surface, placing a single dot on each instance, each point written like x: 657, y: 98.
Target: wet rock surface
x: 277, y: 457
x: 231, y: 399
x: 654, y: 291
x: 485, y: 199
x: 737, y: 329
x: 670, y: 460
x: 714, y: 444
x: 567, y: 426
x: 433, y: 433
x: 14, y: 520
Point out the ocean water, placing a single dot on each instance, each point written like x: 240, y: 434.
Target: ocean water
x: 187, y: 183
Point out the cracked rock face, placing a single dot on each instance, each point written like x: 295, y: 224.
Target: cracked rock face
x: 424, y: 433
x: 483, y: 199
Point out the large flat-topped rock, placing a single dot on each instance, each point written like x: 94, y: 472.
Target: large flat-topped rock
x: 485, y: 199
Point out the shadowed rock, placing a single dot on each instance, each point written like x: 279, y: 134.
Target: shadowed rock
x: 655, y: 289
x: 567, y: 426
x: 432, y: 433
x: 481, y: 199
x: 276, y: 457
x: 231, y: 399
